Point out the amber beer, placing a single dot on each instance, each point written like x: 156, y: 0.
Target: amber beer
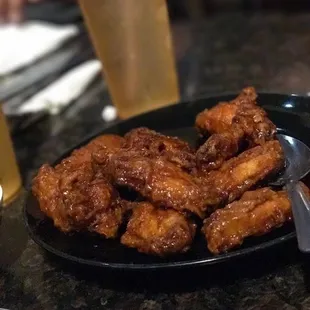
x: 133, y: 40
x: 9, y: 174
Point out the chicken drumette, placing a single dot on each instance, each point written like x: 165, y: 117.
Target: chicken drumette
x: 165, y: 184
x: 255, y: 214
x: 150, y: 143
x: 76, y: 196
x: 158, y: 180
x: 158, y: 231
x: 232, y: 125
x: 220, y: 118
x: 240, y: 173
x: 82, y: 192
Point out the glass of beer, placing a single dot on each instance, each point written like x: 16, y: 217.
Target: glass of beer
x: 132, y: 38
x: 10, y: 180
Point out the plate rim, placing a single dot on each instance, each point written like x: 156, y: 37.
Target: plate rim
x: 208, y: 96
x: 165, y: 265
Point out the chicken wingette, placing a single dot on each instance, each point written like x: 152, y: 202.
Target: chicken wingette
x: 158, y: 231
x: 256, y: 213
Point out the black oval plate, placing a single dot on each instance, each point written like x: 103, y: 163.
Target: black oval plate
x: 290, y: 113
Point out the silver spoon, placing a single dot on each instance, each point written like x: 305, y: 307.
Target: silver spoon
x: 297, y: 156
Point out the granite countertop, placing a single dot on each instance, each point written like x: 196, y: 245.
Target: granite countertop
x: 269, y: 51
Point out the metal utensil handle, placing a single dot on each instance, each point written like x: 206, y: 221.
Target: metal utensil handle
x: 301, y: 212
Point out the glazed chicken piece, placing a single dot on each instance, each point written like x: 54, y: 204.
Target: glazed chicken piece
x: 153, y: 144
x: 245, y: 124
x: 158, y: 231
x: 161, y: 182
x: 219, y: 118
x: 255, y: 214
x: 77, y: 197
x: 102, y: 148
x: 240, y: 173
x: 109, y: 142
x: 218, y: 148
x: 77, y: 202
x: 257, y: 127
x: 166, y: 185
x: 96, y: 152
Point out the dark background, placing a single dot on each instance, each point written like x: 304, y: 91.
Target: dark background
x: 67, y: 11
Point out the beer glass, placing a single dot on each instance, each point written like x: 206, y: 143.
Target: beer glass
x: 10, y: 180
x: 132, y: 38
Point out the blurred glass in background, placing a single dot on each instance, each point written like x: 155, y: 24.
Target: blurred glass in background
x: 133, y: 40
x: 10, y: 180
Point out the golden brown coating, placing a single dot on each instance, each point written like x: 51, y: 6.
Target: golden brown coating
x: 109, y: 142
x: 158, y: 231
x: 222, y: 146
x: 244, y: 123
x: 216, y: 120
x: 255, y: 214
x: 102, y: 148
x: 75, y: 203
x: 165, y: 184
x: 159, y: 181
x: 240, y: 173
x: 76, y: 197
x: 218, y: 148
x: 153, y: 144
x: 219, y: 118
x: 93, y: 157
x: 250, y: 127
x: 46, y: 189
x: 254, y: 121
x: 79, y: 194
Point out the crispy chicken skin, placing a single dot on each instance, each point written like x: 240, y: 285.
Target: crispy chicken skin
x: 158, y: 231
x: 159, y: 181
x: 219, y: 118
x: 109, y: 142
x: 165, y: 184
x: 102, y: 148
x: 76, y: 202
x: 245, y: 124
x: 170, y: 185
x: 257, y: 127
x: 255, y: 214
x: 240, y: 173
x: 218, y: 148
x: 77, y: 197
x: 153, y: 144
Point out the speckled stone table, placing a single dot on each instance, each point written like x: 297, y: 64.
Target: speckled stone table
x: 269, y: 51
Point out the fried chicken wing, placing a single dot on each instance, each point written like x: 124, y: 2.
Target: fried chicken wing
x: 94, y: 155
x: 219, y: 118
x: 153, y: 144
x: 240, y: 173
x: 222, y: 146
x: 102, y: 148
x: 109, y: 142
x: 78, y: 205
x: 45, y: 188
x: 245, y: 123
x: 218, y: 148
x: 255, y: 214
x: 257, y: 127
x: 158, y: 231
x: 159, y: 181
x: 76, y: 196
x: 165, y: 184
